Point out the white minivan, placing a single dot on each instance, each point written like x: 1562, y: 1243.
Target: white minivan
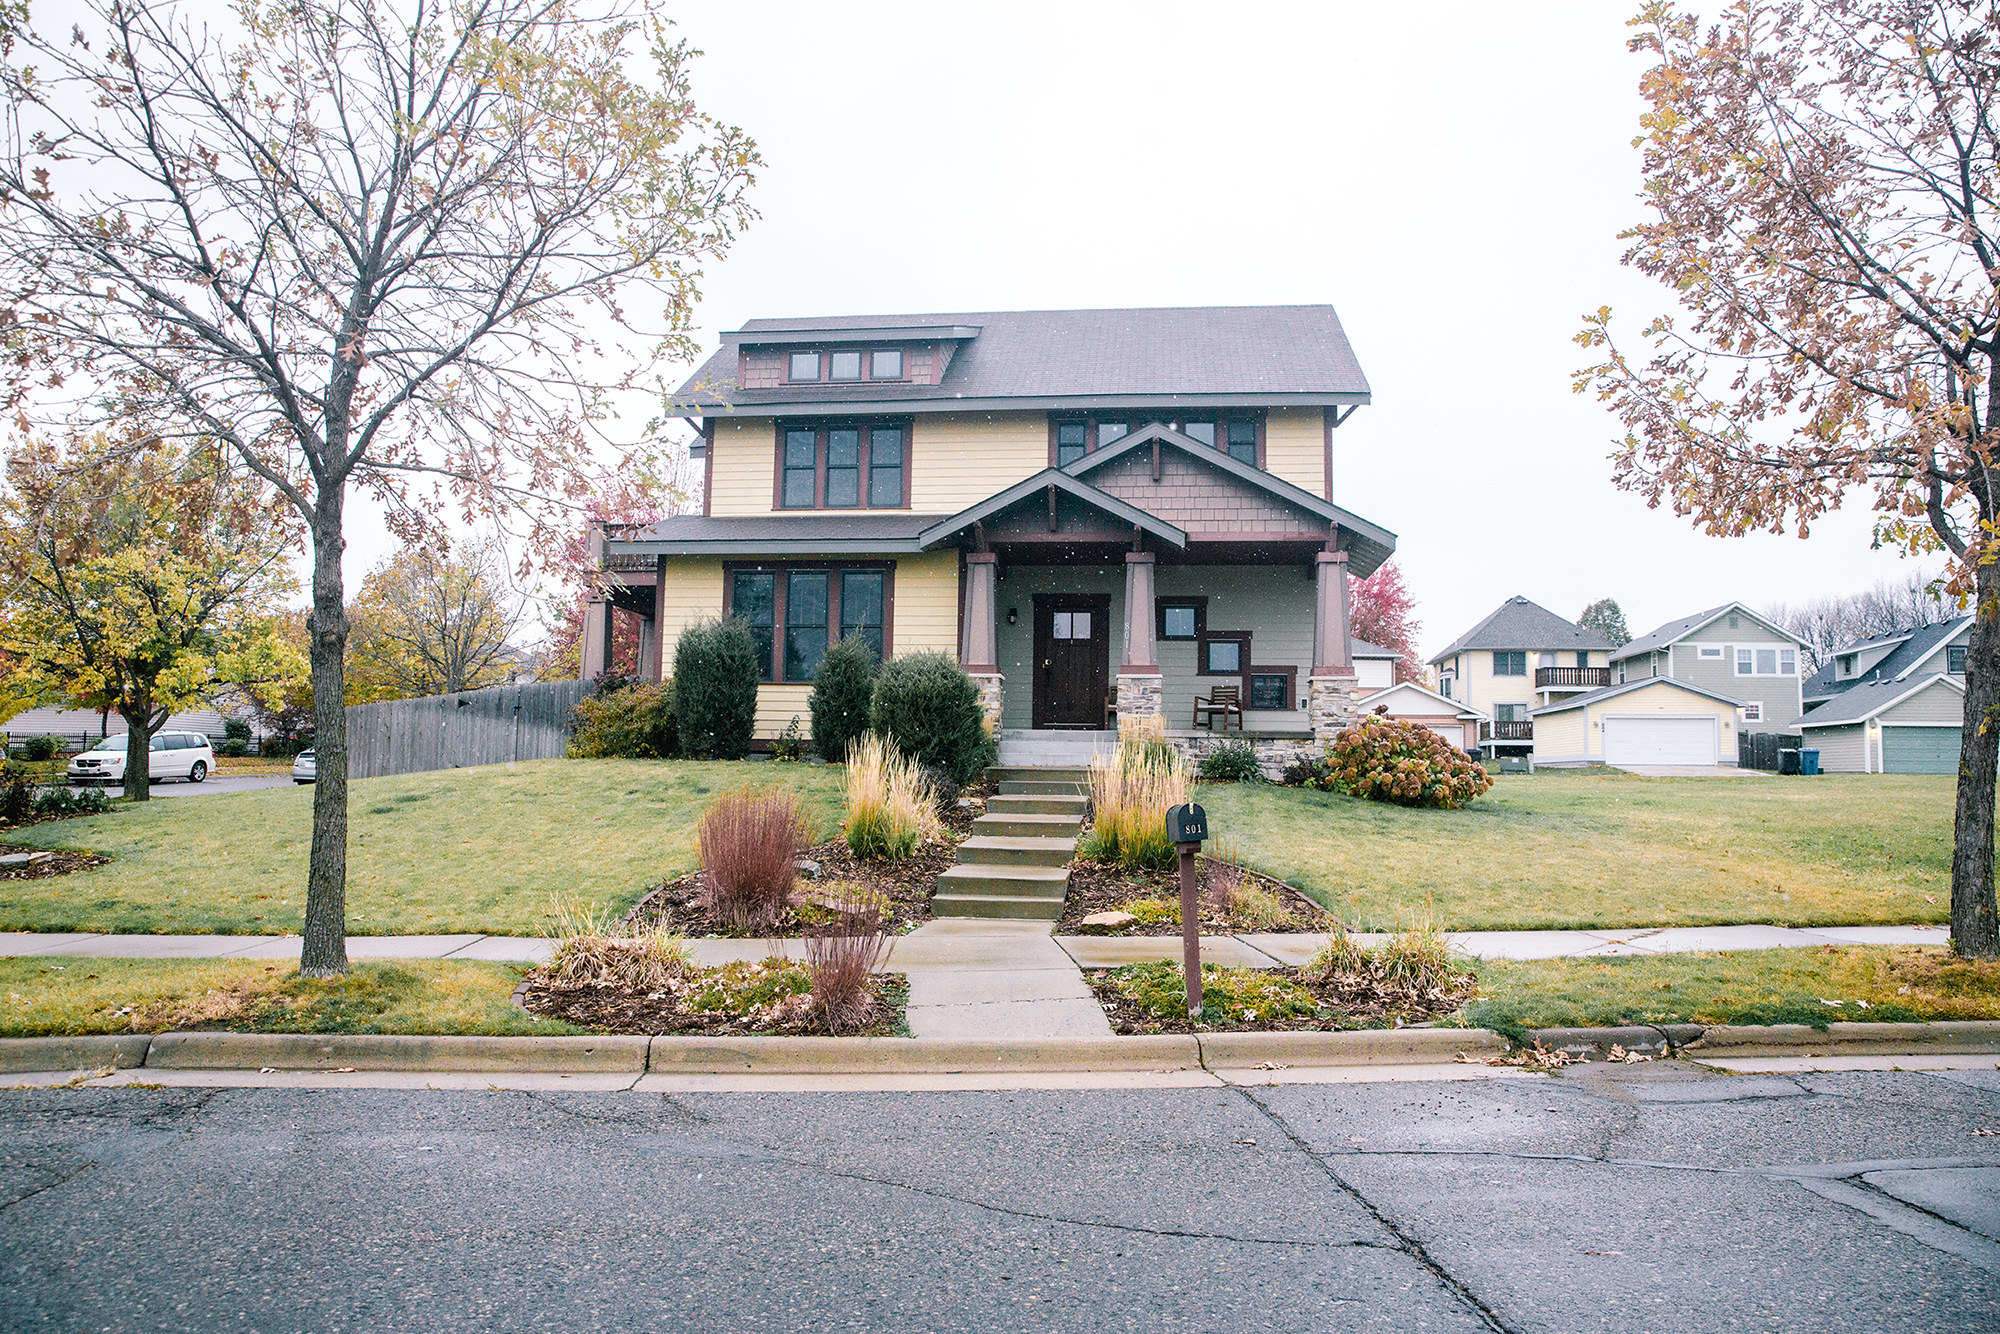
x: 172, y: 755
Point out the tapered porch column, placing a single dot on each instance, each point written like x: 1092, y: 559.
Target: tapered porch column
x: 1139, y: 682
x: 1331, y: 689
x: 979, y: 634
x: 596, y: 647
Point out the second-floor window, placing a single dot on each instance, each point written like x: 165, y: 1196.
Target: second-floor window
x: 1238, y: 436
x: 1510, y: 662
x: 1766, y: 661
x: 840, y: 364
x: 843, y: 465
x: 1954, y: 659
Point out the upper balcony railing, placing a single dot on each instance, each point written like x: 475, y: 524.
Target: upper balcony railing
x: 1577, y: 678
x: 1508, y: 729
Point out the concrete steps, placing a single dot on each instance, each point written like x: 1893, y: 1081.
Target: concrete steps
x: 1020, y: 746
x: 1016, y: 864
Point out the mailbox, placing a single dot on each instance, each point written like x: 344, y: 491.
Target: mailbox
x: 1187, y: 823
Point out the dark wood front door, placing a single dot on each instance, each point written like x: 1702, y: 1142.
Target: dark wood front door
x: 1072, y: 659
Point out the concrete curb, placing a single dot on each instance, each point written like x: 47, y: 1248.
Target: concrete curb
x: 702, y: 1055
x: 612, y: 1054
x: 1596, y: 1043
x: 1367, y: 1046
x: 122, y: 1051
x: 1969, y: 1036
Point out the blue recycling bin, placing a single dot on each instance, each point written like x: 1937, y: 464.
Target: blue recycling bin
x: 1809, y: 763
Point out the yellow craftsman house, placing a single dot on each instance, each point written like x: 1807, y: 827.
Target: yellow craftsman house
x: 1099, y: 512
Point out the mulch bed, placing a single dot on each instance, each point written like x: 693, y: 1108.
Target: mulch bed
x: 906, y: 884
x: 1349, y: 1001
x: 60, y: 861
x: 614, y: 1010
x: 1096, y: 887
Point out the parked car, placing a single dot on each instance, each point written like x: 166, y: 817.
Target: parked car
x: 305, y: 768
x: 172, y: 755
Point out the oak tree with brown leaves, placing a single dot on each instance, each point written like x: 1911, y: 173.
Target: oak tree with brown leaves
x: 412, y: 250
x: 1820, y: 180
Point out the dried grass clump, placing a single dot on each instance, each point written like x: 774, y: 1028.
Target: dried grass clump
x: 1413, y: 967
x: 841, y: 955
x: 750, y: 845
x: 889, y: 805
x: 1130, y: 794
x: 1418, y: 959
x: 588, y: 953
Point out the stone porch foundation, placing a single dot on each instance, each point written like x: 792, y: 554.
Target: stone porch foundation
x: 992, y: 694
x: 1139, y: 695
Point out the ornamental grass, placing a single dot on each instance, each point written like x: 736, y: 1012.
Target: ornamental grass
x: 750, y: 844
x: 889, y: 805
x: 1130, y: 794
x: 841, y: 955
x: 590, y: 953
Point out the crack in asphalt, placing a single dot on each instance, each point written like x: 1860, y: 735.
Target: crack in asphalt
x: 29, y: 1195
x: 1405, y: 1243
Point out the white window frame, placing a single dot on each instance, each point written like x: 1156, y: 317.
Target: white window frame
x: 1752, y: 712
x: 1711, y: 650
x: 1746, y: 659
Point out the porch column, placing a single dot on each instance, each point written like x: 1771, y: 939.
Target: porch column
x: 657, y: 656
x: 979, y: 638
x: 1139, y: 681
x: 1331, y: 689
x: 596, y: 646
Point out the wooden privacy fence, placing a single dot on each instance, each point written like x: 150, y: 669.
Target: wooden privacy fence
x: 1759, y: 750
x: 407, y: 736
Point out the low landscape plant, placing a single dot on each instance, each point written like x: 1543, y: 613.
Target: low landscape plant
x: 1249, y: 907
x: 842, y: 694
x: 61, y: 803
x: 842, y: 953
x: 750, y: 842
x: 715, y: 689
x: 929, y: 707
x: 42, y: 748
x: 1130, y: 793
x: 890, y: 809
x: 17, y: 795
x: 626, y: 720
x: 1232, y: 762
x: 591, y: 952
x: 790, y: 745
x: 1394, y: 760
x: 1228, y: 995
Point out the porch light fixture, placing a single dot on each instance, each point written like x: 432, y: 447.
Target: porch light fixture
x: 1013, y: 616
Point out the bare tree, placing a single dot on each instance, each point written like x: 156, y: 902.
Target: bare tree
x: 1892, y: 607
x: 407, y: 248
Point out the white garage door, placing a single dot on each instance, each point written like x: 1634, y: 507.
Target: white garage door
x: 1453, y: 735
x: 1659, y: 741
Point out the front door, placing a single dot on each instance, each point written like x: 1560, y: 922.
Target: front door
x: 1072, y: 660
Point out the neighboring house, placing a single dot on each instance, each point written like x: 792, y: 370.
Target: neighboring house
x: 1905, y: 725
x: 1454, y: 722
x: 78, y: 727
x: 1928, y: 651
x: 1519, y: 658
x: 1374, y: 666
x: 1650, y: 720
x: 1100, y: 513
x: 1730, y: 651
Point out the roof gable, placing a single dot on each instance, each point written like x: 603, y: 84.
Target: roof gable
x: 1520, y: 624
x: 1675, y: 631
x: 1054, y: 480
x: 1415, y: 693
x: 1862, y: 702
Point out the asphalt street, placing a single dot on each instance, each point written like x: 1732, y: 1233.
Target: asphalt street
x: 1667, y: 1197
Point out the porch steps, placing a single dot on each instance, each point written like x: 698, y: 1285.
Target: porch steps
x: 1022, y: 746
x: 1016, y: 864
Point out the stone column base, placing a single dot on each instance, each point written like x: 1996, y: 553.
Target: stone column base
x: 992, y: 694
x: 1331, y: 704
x: 1139, y: 696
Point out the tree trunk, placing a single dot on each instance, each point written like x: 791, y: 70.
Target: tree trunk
x: 138, y: 753
x: 323, y: 952
x: 1975, y: 930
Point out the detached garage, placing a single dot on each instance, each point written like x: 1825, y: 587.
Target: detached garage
x: 1651, y: 721
x: 1903, y: 726
x: 1454, y: 722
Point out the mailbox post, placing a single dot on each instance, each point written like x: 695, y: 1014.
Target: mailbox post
x: 1188, y: 826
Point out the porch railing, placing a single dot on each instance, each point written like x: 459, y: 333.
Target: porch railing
x: 1587, y: 678
x: 1522, y: 729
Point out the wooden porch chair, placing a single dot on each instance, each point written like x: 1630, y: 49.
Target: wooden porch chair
x: 1224, y: 700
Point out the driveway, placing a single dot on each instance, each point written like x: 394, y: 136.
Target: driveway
x: 1690, y: 771
x: 212, y: 787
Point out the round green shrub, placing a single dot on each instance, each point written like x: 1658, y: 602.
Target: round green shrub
x: 626, y: 720
x: 715, y: 689
x: 1396, y: 760
x: 930, y: 709
x: 41, y: 748
x: 842, y: 694
x: 1232, y: 762
x: 236, y: 729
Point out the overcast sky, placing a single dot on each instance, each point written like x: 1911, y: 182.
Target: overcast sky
x: 1452, y: 180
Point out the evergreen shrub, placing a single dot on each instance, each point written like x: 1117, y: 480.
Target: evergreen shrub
x: 715, y: 689
x: 930, y: 709
x: 842, y: 695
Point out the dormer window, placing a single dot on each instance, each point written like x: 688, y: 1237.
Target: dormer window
x: 804, y: 367
x: 1847, y: 664
x: 886, y: 364
x: 845, y: 366
x: 1243, y: 441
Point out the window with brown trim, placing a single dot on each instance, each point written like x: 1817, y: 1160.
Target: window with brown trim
x: 1180, y: 618
x: 843, y: 465
x: 802, y: 367
x: 1224, y: 655
x: 844, y: 364
x: 1238, y: 434
x: 793, y: 610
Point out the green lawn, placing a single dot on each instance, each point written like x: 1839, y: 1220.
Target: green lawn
x: 1606, y: 849
x: 455, y: 850
x: 1786, y: 986
x: 78, y: 995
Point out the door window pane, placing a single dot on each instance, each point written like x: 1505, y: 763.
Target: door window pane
x: 888, y: 364
x: 1079, y: 625
x: 805, y: 366
x: 844, y: 366
x: 1110, y: 431
x: 1069, y: 443
x: 1202, y: 432
x: 1225, y: 656
x: 843, y: 467
x: 885, y: 466
x: 861, y: 607
x: 801, y: 459
x: 805, y: 623
x: 755, y: 599
x: 1061, y: 625
x: 1243, y: 442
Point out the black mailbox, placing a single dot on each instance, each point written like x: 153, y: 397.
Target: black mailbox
x: 1187, y: 823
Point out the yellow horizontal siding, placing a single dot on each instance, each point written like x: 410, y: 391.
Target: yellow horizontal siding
x: 927, y: 603
x: 778, y: 705
x: 1295, y: 447
x: 745, y: 455
x: 958, y: 460
x: 1560, y: 736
